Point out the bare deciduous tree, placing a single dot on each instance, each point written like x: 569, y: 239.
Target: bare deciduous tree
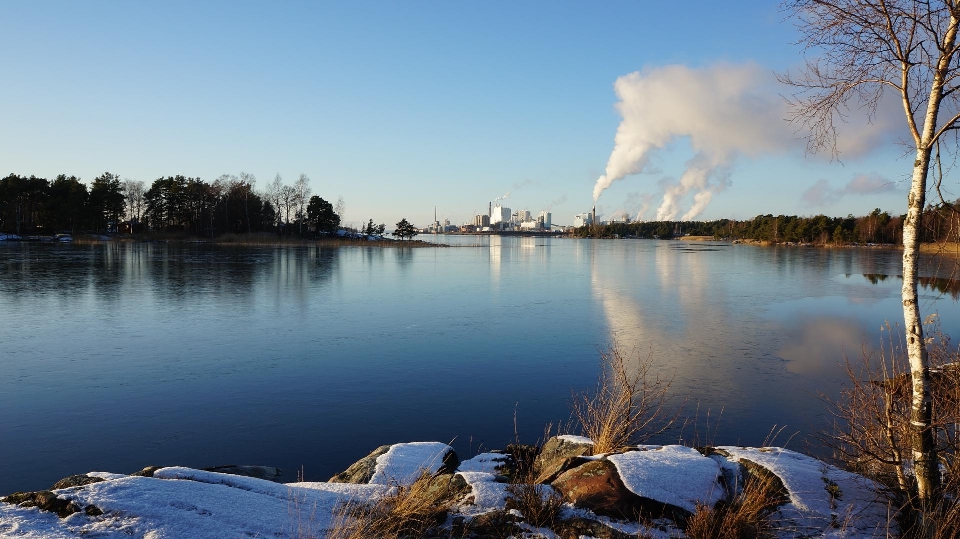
x: 340, y: 208
x: 133, y: 193
x: 302, y: 195
x: 288, y: 196
x: 247, y: 181
x: 226, y: 184
x: 275, y: 195
x: 865, y: 49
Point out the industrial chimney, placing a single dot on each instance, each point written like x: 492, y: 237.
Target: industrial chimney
x: 593, y: 216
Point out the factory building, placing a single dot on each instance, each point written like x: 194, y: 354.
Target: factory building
x: 499, y: 214
x: 582, y: 219
x: 544, y: 220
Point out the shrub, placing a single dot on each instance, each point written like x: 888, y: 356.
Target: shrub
x: 628, y: 406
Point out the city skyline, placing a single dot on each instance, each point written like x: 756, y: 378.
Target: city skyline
x: 400, y: 108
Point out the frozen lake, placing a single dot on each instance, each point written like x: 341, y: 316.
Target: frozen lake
x: 118, y: 356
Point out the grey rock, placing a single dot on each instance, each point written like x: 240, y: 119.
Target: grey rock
x: 362, y: 471
x: 555, y: 458
x: 75, y: 481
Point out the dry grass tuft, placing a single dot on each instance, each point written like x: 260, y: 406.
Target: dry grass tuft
x: 539, y: 504
x: 411, y: 512
x: 744, y: 517
x: 628, y: 406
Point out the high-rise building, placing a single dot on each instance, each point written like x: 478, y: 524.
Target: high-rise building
x: 499, y: 214
x: 545, y: 220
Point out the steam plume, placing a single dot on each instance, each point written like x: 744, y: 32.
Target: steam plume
x: 725, y: 110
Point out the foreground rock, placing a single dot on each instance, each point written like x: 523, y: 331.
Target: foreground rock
x: 644, y: 491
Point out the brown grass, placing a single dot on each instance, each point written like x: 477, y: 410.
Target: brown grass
x: 627, y: 407
x: 411, y: 512
x: 746, y: 516
x: 539, y: 504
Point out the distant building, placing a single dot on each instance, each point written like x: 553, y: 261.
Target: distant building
x: 582, y: 219
x: 544, y: 219
x: 499, y: 214
x: 481, y: 221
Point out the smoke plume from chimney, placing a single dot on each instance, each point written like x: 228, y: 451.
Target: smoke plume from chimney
x: 725, y: 110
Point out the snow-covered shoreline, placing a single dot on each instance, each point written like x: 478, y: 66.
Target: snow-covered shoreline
x: 175, y: 502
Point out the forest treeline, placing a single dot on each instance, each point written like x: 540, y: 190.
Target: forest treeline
x: 939, y: 223
x: 230, y: 204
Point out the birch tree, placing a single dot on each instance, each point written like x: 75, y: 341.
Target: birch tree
x: 133, y: 192
x: 247, y: 181
x: 275, y: 195
x: 225, y: 186
x: 302, y: 196
x: 861, y: 51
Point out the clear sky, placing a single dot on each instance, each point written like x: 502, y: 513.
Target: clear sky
x: 403, y: 106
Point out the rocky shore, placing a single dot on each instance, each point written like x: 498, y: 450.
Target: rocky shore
x: 639, y: 491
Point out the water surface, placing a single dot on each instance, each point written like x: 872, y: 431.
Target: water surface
x: 118, y: 356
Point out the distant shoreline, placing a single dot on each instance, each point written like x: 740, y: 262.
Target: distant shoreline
x: 239, y: 240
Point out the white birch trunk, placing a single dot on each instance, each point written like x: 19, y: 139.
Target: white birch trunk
x: 924, y: 450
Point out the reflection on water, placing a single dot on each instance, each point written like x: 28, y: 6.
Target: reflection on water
x: 941, y: 285
x: 201, y: 355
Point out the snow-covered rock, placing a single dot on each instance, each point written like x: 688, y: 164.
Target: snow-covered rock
x: 821, y: 501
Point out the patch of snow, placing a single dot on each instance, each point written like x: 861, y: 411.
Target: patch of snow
x: 31, y: 523
x: 858, y: 509
x: 575, y: 439
x: 197, y: 504
x: 402, y: 464
x: 672, y: 474
x: 486, y: 492
x: 106, y: 475
x: 484, y: 462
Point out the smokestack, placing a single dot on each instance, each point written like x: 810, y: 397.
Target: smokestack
x: 594, y: 215
x: 490, y: 209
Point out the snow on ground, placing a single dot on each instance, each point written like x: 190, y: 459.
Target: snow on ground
x: 208, y: 505
x: 824, y: 500
x: 404, y: 463
x: 484, y: 462
x: 672, y: 474
x: 487, y: 494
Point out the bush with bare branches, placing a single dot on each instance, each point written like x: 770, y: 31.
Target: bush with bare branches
x: 872, y: 432
x: 628, y: 406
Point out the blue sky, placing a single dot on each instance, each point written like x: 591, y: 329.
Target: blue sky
x: 399, y: 107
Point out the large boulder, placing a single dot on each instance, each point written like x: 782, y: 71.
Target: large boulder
x: 403, y: 464
x: 673, y: 476
x: 597, y: 486
x: 75, y: 481
x: 558, y: 455
x: 400, y: 464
